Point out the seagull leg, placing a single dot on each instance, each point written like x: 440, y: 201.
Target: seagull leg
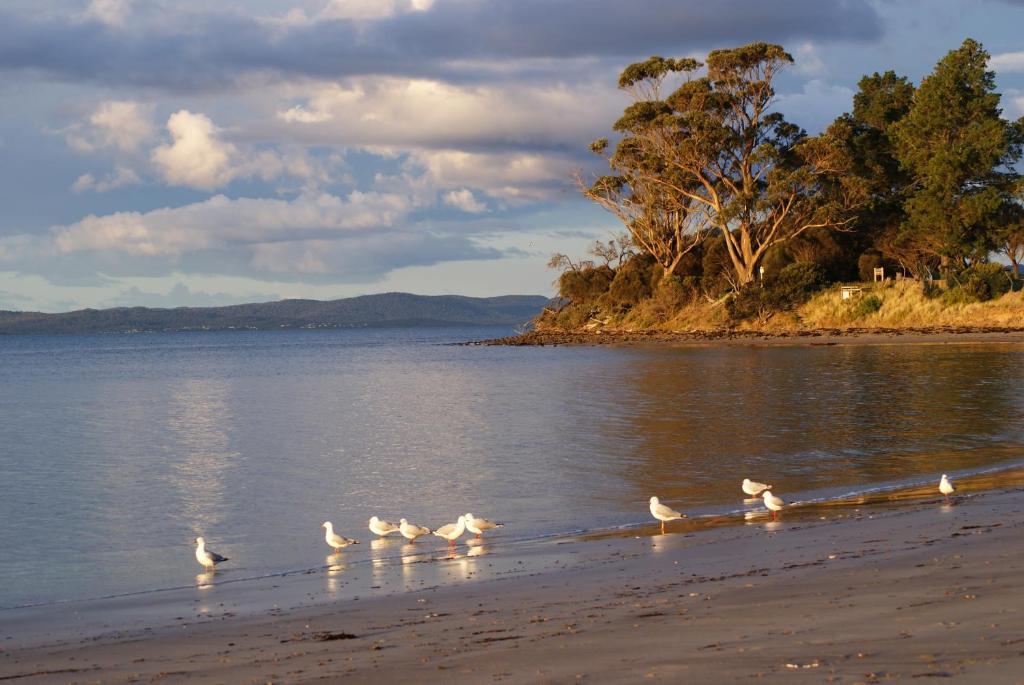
x: 662, y: 527
x: 478, y: 536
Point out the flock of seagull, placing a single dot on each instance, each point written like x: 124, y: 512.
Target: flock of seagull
x: 451, y: 532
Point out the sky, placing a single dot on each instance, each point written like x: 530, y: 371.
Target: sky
x: 206, y: 152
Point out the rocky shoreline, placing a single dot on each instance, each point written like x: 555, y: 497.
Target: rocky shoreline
x: 819, y: 336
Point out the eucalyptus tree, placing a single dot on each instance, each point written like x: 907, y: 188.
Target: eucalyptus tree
x: 714, y: 155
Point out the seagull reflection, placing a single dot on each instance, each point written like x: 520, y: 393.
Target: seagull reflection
x: 204, y: 580
x: 382, y: 543
x: 772, y: 525
x: 477, y: 547
x: 336, y: 565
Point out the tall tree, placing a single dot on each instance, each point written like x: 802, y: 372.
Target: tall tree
x: 961, y: 154
x: 716, y: 152
x: 660, y: 221
x: 881, y: 101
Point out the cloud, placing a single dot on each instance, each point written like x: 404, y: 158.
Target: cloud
x: 515, y: 177
x: 816, y: 105
x: 181, y: 296
x: 205, y: 49
x: 196, y: 157
x: 111, y: 12
x: 1007, y: 62
x: 1013, y: 103
x: 807, y: 60
x: 222, y: 222
x: 121, y: 176
x: 378, y: 111
x: 120, y: 124
x: 463, y: 199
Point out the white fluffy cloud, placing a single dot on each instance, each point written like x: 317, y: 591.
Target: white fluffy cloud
x: 196, y: 156
x: 220, y: 222
x: 121, y: 176
x: 1007, y: 62
x: 123, y: 125
x: 428, y: 113
x: 465, y: 200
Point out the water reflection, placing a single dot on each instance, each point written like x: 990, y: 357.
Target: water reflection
x: 336, y: 565
x: 477, y: 547
x: 689, y: 424
x: 204, y: 580
x: 198, y: 421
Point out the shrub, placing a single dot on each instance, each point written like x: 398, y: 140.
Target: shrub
x: 631, y: 284
x: 585, y: 285
x: 793, y: 286
x: 867, y: 306
x: 983, y: 282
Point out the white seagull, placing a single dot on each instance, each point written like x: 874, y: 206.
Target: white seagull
x: 382, y: 528
x: 207, y: 558
x: 773, y: 503
x: 451, y: 531
x: 479, y: 526
x: 333, y: 539
x: 663, y: 513
x: 411, y: 531
x: 946, y: 487
x: 753, y: 488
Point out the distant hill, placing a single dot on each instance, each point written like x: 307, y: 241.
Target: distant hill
x: 388, y: 309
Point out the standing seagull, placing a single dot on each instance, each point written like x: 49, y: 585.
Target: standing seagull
x: 774, y: 503
x: 663, y: 513
x: 451, y: 531
x: 411, y: 531
x: 946, y: 487
x: 478, y: 525
x: 382, y: 528
x: 207, y: 558
x: 333, y: 539
x: 753, y: 488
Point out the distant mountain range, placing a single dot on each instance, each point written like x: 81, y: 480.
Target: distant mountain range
x: 388, y: 309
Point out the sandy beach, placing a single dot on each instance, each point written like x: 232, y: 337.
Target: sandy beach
x: 899, y: 588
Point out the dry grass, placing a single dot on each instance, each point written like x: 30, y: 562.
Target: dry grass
x: 904, y: 304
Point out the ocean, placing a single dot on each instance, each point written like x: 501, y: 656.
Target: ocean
x: 117, y: 450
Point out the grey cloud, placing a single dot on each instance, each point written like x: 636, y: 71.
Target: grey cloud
x: 208, y: 50
x: 181, y: 296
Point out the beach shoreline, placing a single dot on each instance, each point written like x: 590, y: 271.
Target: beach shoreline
x: 811, y: 337
x: 854, y: 592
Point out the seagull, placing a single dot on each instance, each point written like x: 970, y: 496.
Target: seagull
x: 333, y: 539
x: 451, y: 531
x: 663, y: 513
x: 382, y: 528
x: 411, y: 531
x: 207, y: 558
x: 478, y: 526
x: 753, y: 488
x: 773, y: 503
x: 946, y: 487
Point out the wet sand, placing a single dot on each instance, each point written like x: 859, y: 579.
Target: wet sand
x: 823, y: 336
x: 900, y: 588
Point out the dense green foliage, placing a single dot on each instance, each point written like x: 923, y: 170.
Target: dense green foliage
x: 717, y: 190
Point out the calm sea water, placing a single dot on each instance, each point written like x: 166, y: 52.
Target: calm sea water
x: 115, y: 451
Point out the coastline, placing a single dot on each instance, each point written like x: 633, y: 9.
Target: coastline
x: 808, y: 337
x: 901, y: 585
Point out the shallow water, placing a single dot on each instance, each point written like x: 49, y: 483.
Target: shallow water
x: 115, y: 451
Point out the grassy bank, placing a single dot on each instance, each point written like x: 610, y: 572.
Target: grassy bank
x: 890, y: 305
